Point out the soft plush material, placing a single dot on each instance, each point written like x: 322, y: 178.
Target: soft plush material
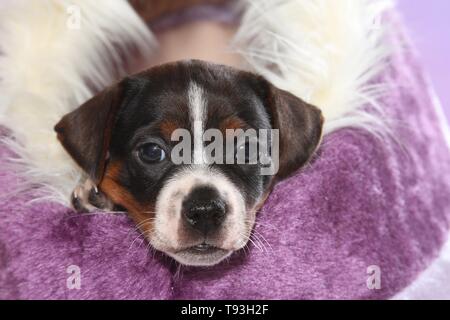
x: 363, y: 201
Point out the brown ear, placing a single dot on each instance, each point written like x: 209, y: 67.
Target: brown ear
x: 86, y: 132
x: 300, y: 128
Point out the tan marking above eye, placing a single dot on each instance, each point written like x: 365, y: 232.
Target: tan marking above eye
x: 167, y: 127
x: 232, y: 123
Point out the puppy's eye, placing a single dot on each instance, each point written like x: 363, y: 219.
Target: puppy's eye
x: 247, y: 153
x: 243, y: 152
x: 151, y: 153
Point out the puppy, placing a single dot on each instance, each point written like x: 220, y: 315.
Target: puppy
x: 199, y: 213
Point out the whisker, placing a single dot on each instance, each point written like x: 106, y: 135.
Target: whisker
x: 249, y: 239
x: 149, y: 249
x: 265, y: 224
x: 261, y: 236
x: 256, y: 238
x: 93, y: 214
x: 263, y: 242
x: 140, y: 224
x: 137, y: 238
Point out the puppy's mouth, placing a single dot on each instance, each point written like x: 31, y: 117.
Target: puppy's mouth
x: 203, y: 254
x: 203, y: 248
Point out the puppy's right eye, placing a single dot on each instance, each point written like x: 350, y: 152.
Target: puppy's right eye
x: 151, y: 153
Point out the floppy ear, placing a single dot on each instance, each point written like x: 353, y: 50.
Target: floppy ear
x: 300, y: 128
x: 85, y: 133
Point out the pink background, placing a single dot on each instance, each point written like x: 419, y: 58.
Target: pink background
x: 429, y: 25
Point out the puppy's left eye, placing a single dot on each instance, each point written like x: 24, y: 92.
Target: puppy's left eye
x: 151, y: 153
x: 247, y: 153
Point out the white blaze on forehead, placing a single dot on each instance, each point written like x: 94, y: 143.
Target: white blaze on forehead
x: 169, y: 203
x: 197, y: 109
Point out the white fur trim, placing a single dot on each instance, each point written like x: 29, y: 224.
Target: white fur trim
x: 44, y: 63
x: 323, y: 51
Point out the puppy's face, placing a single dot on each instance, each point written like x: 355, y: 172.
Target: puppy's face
x: 198, y: 211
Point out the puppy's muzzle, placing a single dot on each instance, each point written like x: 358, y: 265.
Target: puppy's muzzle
x: 204, y: 210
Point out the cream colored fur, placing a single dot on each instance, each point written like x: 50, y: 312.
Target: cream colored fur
x: 44, y: 63
x: 323, y: 51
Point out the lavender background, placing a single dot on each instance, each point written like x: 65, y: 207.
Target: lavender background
x: 429, y: 24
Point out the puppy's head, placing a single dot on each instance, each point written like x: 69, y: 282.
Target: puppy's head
x: 127, y: 139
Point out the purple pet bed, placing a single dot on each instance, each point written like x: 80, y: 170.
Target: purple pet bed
x: 362, y: 202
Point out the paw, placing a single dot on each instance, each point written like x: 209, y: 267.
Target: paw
x: 87, y: 198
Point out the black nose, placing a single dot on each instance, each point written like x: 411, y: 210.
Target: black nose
x: 204, y: 210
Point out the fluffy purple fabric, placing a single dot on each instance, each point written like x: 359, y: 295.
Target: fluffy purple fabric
x: 361, y: 202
